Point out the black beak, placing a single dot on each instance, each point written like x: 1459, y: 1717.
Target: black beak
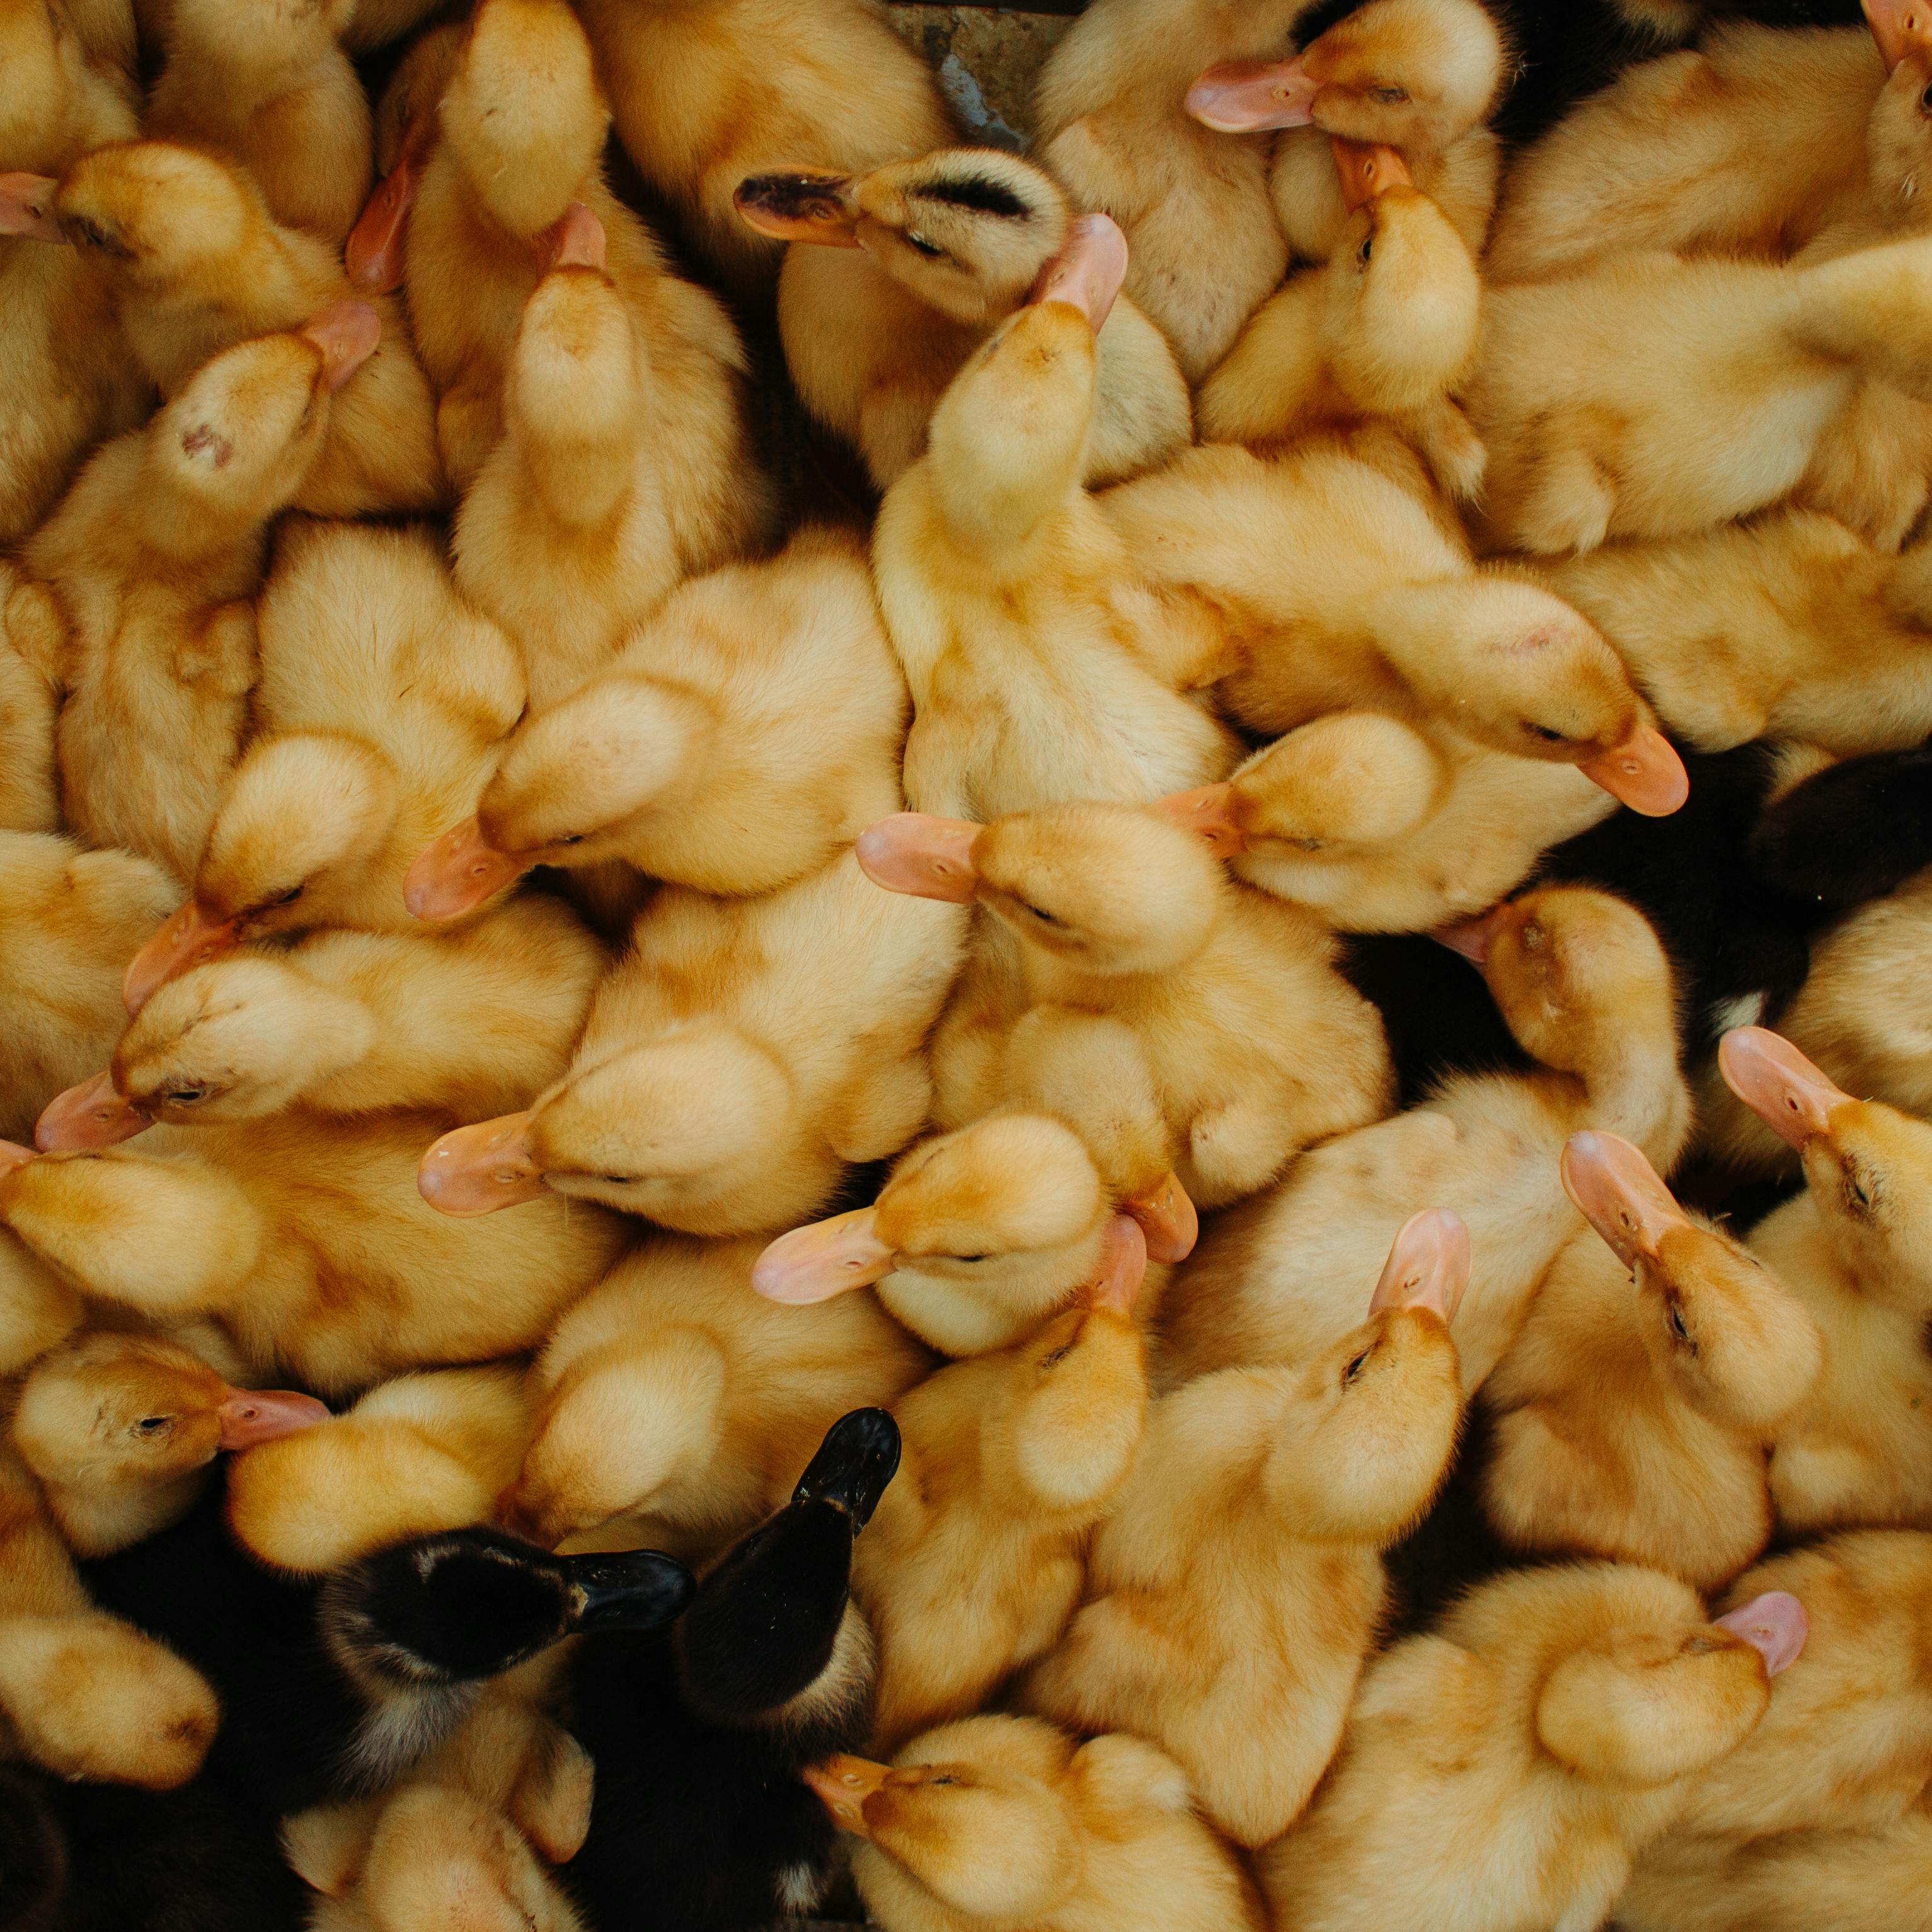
x: 631, y: 1590
x: 794, y: 197
x: 859, y: 1457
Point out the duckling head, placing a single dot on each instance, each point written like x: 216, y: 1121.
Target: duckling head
x: 967, y: 229
x: 157, y: 216
x: 249, y: 33
x: 1899, y: 130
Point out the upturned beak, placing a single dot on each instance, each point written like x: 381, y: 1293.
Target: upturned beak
x: 477, y: 1170
x: 1367, y: 170
x: 1167, y: 1220
x: 375, y: 254
x: 91, y: 1115
x: 1207, y: 811
x: 843, y: 1785
x: 1643, y: 772
x: 348, y: 333
x: 1087, y: 272
x: 190, y: 936
x: 1473, y: 938
x: 1620, y: 1196
x: 460, y: 871
x: 1121, y: 1269
x: 253, y: 1416
x: 1244, y: 96
x: 800, y: 204
x: 575, y: 240
x: 1901, y: 28
x: 914, y: 852
x: 1774, y: 1625
x: 825, y: 1258
x: 1793, y: 1098
x: 854, y: 1466
x: 27, y: 207
x: 1428, y: 1265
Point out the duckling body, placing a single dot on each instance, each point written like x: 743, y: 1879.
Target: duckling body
x: 33, y: 641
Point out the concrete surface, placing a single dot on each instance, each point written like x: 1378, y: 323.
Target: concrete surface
x: 985, y: 57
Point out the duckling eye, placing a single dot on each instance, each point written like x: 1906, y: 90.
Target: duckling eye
x: 930, y: 250
x: 1856, y: 1193
x: 1925, y: 102
x: 615, y: 1180
x: 288, y: 897
x: 1675, y: 1314
x: 186, y: 1096
x: 1355, y: 1367
x: 1544, y: 732
x: 969, y: 1258
x: 574, y: 838
x: 1039, y: 913
x: 943, y: 1779
x: 1367, y: 250
x: 1308, y: 844
x: 152, y: 1425
x: 1390, y: 96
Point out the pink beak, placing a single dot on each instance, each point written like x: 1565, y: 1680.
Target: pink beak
x: 26, y: 207
x: 1087, y: 272
x: 12, y: 1156
x: 457, y: 873
x: 827, y: 1258
x: 374, y: 253
x: 1206, y: 811
x: 1428, y: 1265
x: 1900, y: 27
x: 1473, y: 938
x: 1245, y: 96
x: 190, y: 936
x: 1167, y: 1220
x: 477, y: 1170
x: 914, y: 852
x: 1620, y: 1196
x: 1776, y: 1081
x: 1123, y: 1267
x: 1774, y: 1625
x: 253, y: 1416
x: 1643, y: 772
x: 576, y: 240
x: 348, y: 333
x: 1367, y: 171
x: 91, y: 1115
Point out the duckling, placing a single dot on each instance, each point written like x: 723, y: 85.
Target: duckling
x: 81, y: 1692
x: 698, y: 1736
x: 1859, y: 1450
x: 948, y: 246
x: 1635, y: 1426
x: 980, y: 1236
x: 975, y: 1561
x: 274, y: 89
x: 1123, y: 960
x: 469, y: 1023
x: 121, y: 1429
x: 522, y: 127
x: 1419, y: 77
x: 621, y: 473
x: 740, y: 1058
x: 1586, y: 990
x: 705, y: 95
x: 990, y: 538
x: 195, y: 263
x: 306, y: 1242
x: 64, y: 365
x: 155, y: 556
x: 1589, y: 442
x: 407, y: 125
x: 33, y: 642
x: 1570, y: 1710
x: 1377, y: 825
x: 382, y: 699
x: 1320, y: 582
x: 1111, y: 120
x: 696, y: 757
x: 1379, y: 334
x: 1236, y: 1587
x: 670, y: 1394
x: 1098, y: 1834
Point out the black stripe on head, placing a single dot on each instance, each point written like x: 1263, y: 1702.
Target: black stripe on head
x: 977, y: 192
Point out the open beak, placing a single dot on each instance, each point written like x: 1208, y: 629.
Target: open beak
x: 1428, y: 1265
x: 457, y: 873
x: 575, y: 240
x: 1901, y: 28
x: 1367, y: 170
x: 800, y: 204
x: 1473, y: 938
x: 1244, y: 96
x: 1122, y: 1268
x: 1644, y: 772
x: 1774, y: 1625
x: 91, y: 1115
x: 27, y: 207
x: 348, y: 333
x: 1206, y: 811
x: 1087, y: 272
x: 843, y: 1785
x: 1792, y: 1097
x: 1620, y: 1196
x: 1167, y: 1219
x: 252, y: 1416
x: 826, y: 1258
x: 914, y: 852
x: 190, y: 936
x: 374, y: 253
x: 477, y: 1170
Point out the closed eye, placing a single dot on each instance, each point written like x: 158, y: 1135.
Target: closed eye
x: 920, y: 245
x: 185, y: 1096
x: 1544, y: 732
x: 1390, y: 96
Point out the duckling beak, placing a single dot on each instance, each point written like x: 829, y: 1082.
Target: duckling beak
x: 1643, y: 772
x: 374, y: 253
x: 914, y: 852
x: 1792, y: 1097
x: 1774, y: 1625
x: 1619, y: 1194
x: 853, y: 1466
x: 12, y: 1155
x: 843, y: 1785
x: 1901, y: 28
x: 631, y: 1589
x: 348, y: 333
x: 1367, y: 171
x: 800, y: 205
x: 1244, y: 96
x: 1122, y: 1267
x: 575, y: 240
x: 27, y: 207
x: 460, y: 870
x: 190, y: 936
x: 1087, y: 272
x: 1428, y: 1265
x: 252, y: 1416
x: 1208, y: 812
x: 477, y: 1170
x: 91, y: 1115
x: 1168, y: 1221
x: 826, y: 1258
x: 1473, y: 938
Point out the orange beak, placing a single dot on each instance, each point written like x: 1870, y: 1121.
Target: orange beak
x: 843, y: 1785
x: 1207, y: 812
x: 1167, y: 1219
x: 1643, y: 772
x: 253, y: 1416
x: 826, y: 1258
x: 191, y: 937
x: 1428, y: 1265
x: 457, y: 873
x: 1793, y: 1098
x: 477, y: 1170
x: 1367, y: 171
x: 26, y: 207
x: 375, y: 252
x: 1620, y: 1196
x: 914, y: 852
x: 91, y: 1115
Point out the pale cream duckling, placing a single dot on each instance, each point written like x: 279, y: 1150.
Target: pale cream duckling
x: 408, y: 124
x: 947, y: 247
x: 1419, y: 77
x: 1788, y: 627
x: 1099, y: 1836
x: 1235, y: 1589
x: 1125, y: 963
x: 744, y: 736
x: 81, y: 1692
x: 1035, y: 651
x: 470, y: 1023
x: 981, y: 1236
x: 1378, y: 825
x: 122, y: 1431
x: 523, y: 128
x: 974, y: 1560
x: 195, y: 263
x: 1633, y: 1412
x: 272, y: 88
x: 1852, y: 1249
x: 305, y: 1241
x: 154, y: 557
x: 621, y: 473
x: 744, y: 1054
x: 1502, y: 1772
x: 1584, y: 985
x: 381, y: 702
x: 1319, y: 581
x: 673, y: 1393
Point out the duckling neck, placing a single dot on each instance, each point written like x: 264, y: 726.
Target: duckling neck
x: 1633, y: 1086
